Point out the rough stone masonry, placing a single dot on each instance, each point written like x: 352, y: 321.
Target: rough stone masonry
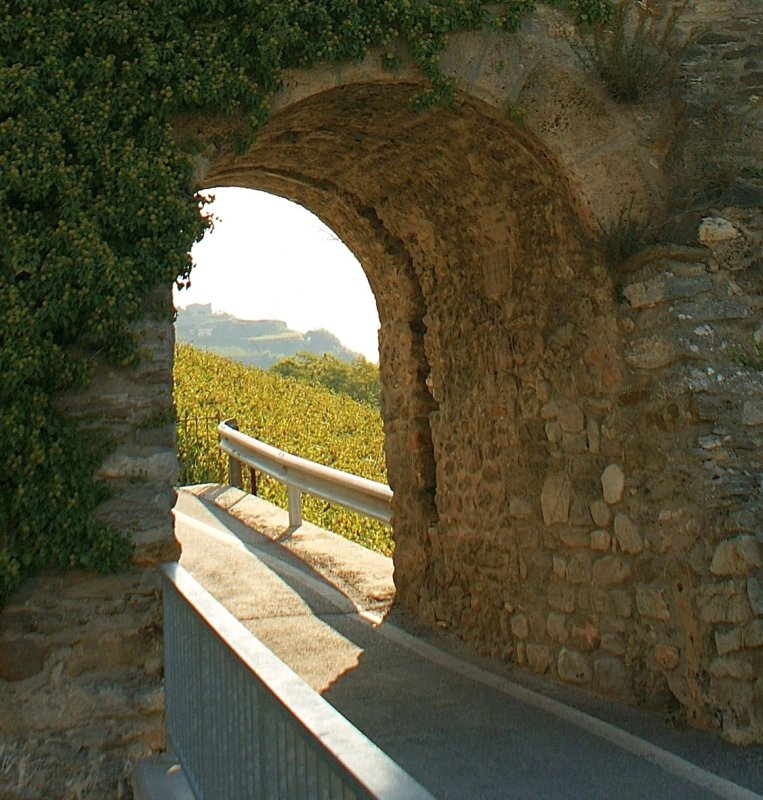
x: 574, y: 446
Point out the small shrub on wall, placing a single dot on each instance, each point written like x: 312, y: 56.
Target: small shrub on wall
x: 98, y: 208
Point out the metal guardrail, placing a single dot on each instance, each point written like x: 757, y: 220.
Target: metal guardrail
x: 244, y: 726
x: 366, y: 497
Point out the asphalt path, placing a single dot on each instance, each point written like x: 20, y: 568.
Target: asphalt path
x: 465, y: 727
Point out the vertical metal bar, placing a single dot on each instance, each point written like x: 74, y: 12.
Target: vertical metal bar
x: 294, y: 501
x: 235, y: 738
x: 253, y: 476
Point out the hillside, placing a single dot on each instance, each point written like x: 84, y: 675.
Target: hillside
x: 259, y: 343
x: 288, y: 413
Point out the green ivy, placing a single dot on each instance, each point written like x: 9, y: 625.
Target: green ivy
x: 98, y: 208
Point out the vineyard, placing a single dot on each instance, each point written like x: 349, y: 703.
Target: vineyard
x: 297, y: 417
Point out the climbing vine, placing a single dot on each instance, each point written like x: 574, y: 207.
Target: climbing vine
x: 98, y: 208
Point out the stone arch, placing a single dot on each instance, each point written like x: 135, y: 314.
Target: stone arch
x: 472, y: 243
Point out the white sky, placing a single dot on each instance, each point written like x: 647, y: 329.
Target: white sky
x: 268, y: 258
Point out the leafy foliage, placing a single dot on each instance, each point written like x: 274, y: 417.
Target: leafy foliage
x: 358, y: 379
x: 98, y: 208
x: 295, y: 416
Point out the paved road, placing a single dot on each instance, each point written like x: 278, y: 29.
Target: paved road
x: 467, y: 728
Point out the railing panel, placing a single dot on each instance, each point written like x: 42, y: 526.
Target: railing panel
x: 371, y: 498
x: 244, y: 726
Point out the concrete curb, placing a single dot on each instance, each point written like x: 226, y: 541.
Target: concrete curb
x: 365, y: 576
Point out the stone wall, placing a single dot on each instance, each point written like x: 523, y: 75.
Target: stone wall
x: 80, y: 654
x: 599, y: 494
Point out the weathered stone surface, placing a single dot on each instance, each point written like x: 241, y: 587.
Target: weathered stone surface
x: 521, y: 508
x: 723, y: 603
x: 601, y: 513
x: 613, y: 484
x: 601, y: 541
x: 113, y: 650
x: 146, y: 465
x: 555, y: 499
x: 573, y: 667
x: 575, y: 443
x: 593, y: 434
x: 574, y: 537
x: 538, y: 657
x: 610, y: 571
x: 753, y: 634
x: 713, y: 230
x: 651, y: 352
x: 729, y: 641
x: 561, y: 596
x: 520, y: 627
x: 611, y: 643
x: 560, y: 567
x: 622, y: 601
x: 737, y: 556
x: 627, y: 535
x: 610, y: 675
x: 752, y: 412
x: 579, y: 568
x: 553, y: 431
x: 731, y: 668
x: 667, y: 656
x: 571, y: 419
x: 650, y: 601
x: 556, y: 626
x: 755, y: 595
x: 663, y: 288
x: 585, y: 637
x: 20, y: 659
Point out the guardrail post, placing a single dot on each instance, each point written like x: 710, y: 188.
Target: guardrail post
x: 235, y: 478
x: 294, y: 501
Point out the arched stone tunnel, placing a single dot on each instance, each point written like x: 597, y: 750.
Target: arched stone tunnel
x: 468, y: 234
x: 575, y: 461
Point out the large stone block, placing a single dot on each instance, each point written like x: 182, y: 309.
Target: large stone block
x: 650, y: 601
x: 723, y: 602
x: 610, y: 571
x: 613, y: 484
x: 573, y: 667
x: 610, y: 675
x: 737, y: 556
x: 628, y: 535
x: 555, y: 499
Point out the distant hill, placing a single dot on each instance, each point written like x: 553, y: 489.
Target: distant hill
x: 259, y: 343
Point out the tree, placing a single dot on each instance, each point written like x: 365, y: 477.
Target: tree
x: 359, y: 378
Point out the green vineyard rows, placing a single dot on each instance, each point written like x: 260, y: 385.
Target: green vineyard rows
x: 292, y: 415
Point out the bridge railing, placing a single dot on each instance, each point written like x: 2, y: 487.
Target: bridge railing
x: 243, y: 725
x: 300, y: 475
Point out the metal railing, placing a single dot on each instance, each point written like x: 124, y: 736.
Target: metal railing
x: 244, y: 726
x: 366, y: 497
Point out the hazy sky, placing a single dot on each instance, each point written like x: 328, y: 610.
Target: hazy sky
x: 268, y: 258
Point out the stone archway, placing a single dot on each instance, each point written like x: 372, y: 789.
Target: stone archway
x: 468, y: 235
